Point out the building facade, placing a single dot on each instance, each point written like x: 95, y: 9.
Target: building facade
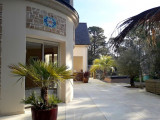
x: 80, y: 51
x: 34, y: 29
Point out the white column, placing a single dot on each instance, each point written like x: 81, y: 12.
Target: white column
x: 66, y: 89
x: 13, y: 51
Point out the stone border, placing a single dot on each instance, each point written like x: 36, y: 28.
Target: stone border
x: 35, y: 20
x: 153, y: 86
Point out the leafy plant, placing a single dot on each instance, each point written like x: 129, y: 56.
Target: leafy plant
x: 32, y: 99
x: 52, y: 101
x: 86, y: 74
x: 104, y: 63
x: 37, y: 101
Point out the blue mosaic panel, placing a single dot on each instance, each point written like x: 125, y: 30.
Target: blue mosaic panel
x: 49, y: 22
x: 45, y: 21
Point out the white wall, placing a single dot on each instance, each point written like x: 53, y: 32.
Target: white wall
x: 66, y: 89
x: 78, y: 63
x: 69, y: 59
x: 82, y: 50
x: 13, y: 51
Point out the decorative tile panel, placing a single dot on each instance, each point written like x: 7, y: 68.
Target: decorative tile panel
x: 45, y: 21
x: 0, y: 43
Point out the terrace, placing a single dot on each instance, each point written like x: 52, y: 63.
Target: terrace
x: 99, y: 100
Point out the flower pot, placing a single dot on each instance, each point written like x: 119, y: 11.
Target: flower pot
x: 85, y: 80
x: 44, y: 114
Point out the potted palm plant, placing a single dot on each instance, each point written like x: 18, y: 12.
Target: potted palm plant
x: 42, y: 74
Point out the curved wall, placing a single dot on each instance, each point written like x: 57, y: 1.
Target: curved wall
x: 22, y: 19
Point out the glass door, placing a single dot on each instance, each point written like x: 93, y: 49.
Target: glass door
x: 33, y: 52
x: 50, y: 53
x: 41, y: 50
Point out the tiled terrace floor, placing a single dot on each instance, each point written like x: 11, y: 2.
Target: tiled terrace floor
x: 97, y: 100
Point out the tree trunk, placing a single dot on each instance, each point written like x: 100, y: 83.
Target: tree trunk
x: 132, y: 82
x: 44, y: 95
x: 94, y: 75
x: 104, y: 74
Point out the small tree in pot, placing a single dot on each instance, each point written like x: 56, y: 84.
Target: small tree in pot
x: 42, y: 74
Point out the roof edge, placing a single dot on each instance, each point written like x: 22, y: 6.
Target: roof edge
x: 60, y: 6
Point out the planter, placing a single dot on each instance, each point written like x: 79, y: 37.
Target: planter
x: 117, y: 79
x: 44, y: 114
x: 153, y: 86
x: 85, y: 80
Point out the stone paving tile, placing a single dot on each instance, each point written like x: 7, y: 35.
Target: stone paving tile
x: 98, y: 100
x: 117, y: 102
x: 26, y: 116
x: 82, y: 107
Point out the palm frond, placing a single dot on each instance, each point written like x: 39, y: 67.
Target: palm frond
x: 94, y: 68
x: 42, y: 73
x: 104, y: 62
x: 19, y: 69
x: 149, y: 21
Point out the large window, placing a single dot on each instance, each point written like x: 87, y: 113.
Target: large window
x: 50, y: 53
x: 40, y: 50
x: 44, y: 51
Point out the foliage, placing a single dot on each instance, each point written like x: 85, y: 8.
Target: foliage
x: 42, y: 74
x: 152, y: 57
x: 148, y: 21
x: 145, y: 28
x: 86, y: 74
x: 98, y: 43
x: 37, y: 101
x: 52, y: 100
x: 129, y: 57
x: 128, y: 63
x: 104, y: 63
x: 32, y: 99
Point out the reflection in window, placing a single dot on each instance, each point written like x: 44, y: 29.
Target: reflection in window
x: 48, y: 58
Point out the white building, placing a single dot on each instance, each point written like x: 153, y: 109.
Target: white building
x: 80, y: 51
x: 34, y: 29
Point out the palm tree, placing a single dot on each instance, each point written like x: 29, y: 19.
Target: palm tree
x: 42, y: 74
x: 104, y: 63
x: 148, y: 21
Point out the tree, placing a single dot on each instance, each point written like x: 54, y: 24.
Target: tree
x: 152, y: 58
x: 128, y: 63
x: 98, y: 43
x: 104, y: 63
x: 147, y: 21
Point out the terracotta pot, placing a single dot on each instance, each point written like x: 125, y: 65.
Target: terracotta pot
x: 85, y: 80
x: 44, y: 114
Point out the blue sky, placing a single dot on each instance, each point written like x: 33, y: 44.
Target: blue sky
x: 108, y: 13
